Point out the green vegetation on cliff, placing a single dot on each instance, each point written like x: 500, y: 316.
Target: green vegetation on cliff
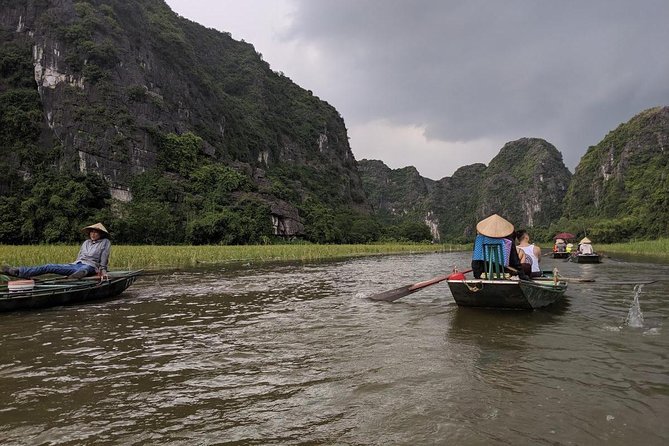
x: 188, y: 130
x: 621, y: 186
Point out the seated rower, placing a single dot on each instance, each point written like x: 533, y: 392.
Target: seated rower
x: 93, y: 258
x: 585, y: 247
x: 495, y: 230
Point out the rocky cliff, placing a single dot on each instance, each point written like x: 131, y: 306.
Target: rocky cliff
x: 526, y: 182
x: 118, y: 89
x: 394, y: 192
x: 621, y: 187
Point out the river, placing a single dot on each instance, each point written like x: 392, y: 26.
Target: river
x: 296, y: 354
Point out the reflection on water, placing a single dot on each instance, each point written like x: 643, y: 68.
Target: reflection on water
x: 295, y: 354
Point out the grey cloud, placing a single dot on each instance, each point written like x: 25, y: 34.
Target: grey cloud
x: 567, y: 71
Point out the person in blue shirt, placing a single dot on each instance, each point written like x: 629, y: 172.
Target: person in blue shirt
x: 496, y: 230
x: 93, y: 258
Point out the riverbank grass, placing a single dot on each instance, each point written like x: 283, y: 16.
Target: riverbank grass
x: 649, y: 248
x: 143, y: 257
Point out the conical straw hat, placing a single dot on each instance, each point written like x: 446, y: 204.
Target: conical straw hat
x: 97, y: 226
x: 494, y: 226
x: 585, y: 240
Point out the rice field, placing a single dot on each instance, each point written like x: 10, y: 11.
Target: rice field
x: 649, y: 248
x: 142, y: 257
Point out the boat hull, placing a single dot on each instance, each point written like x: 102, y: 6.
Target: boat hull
x: 587, y: 258
x: 508, y: 294
x: 59, y: 292
x: 561, y: 255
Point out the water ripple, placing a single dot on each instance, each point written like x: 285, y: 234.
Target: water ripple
x: 295, y: 354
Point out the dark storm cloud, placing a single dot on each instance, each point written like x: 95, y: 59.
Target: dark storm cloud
x: 566, y: 71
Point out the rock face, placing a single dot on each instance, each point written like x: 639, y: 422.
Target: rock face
x: 114, y: 78
x: 526, y: 182
x: 624, y: 179
x: 454, y: 202
x: 395, y: 192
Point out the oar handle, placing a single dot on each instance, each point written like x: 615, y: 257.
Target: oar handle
x: 419, y: 285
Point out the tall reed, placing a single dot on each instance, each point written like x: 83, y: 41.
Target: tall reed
x: 149, y: 256
x: 652, y: 248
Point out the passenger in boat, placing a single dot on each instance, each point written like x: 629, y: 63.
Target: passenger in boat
x: 93, y: 258
x: 585, y: 247
x: 559, y: 246
x: 532, y: 252
x: 570, y: 246
x: 496, y: 230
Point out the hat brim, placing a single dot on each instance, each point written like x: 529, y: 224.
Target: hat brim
x: 495, y: 227
x: 96, y: 227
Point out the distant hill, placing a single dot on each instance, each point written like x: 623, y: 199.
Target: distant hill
x: 526, y: 182
x: 619, y: 191
x: 620, y: 188
x: 167, y: 121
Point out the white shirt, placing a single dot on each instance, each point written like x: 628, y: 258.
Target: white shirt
x: 586, y: 248
x: 529, y: 252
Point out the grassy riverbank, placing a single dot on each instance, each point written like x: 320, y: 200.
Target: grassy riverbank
x: 136, y: 257
x: 649, y: 248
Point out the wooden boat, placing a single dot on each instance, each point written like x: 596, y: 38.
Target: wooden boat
x: 57, y: 292
x: 561, y: 255
x: 586, y: 258
x: 507, y: 293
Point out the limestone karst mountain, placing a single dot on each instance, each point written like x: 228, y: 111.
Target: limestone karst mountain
x: 126, y: 90
x: 526, y: 182
x: 621, y: 185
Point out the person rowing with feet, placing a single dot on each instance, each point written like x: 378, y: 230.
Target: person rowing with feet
x: 93, y: 259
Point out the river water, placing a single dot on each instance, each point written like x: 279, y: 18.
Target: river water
x: 296, y: 354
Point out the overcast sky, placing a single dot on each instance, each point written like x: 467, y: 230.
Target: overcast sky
x: 438, y: 84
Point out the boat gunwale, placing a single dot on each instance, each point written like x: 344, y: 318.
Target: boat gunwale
x: 544, y: 284
x: 66, y: 287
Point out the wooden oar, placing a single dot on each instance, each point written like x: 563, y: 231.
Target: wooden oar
x: 623, y: 282
x: 397, y: 293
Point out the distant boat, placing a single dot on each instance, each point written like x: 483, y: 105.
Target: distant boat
x: 508, y: 294
x: 586, y: 258
x: 561, y: 255
x: 29, y: 294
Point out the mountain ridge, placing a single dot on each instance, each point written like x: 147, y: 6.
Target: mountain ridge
x: 523, y: 182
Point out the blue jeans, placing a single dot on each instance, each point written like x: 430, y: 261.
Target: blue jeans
x: 64, y: 269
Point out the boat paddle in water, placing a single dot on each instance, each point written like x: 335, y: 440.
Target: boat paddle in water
x: 397, y: 293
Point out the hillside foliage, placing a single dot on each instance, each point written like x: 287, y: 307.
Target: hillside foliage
x: 172, y: 133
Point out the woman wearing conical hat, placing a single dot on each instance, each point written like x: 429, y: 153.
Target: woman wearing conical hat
x: 585, y: 246
x: 496, y: 230
x: 93, y: 258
